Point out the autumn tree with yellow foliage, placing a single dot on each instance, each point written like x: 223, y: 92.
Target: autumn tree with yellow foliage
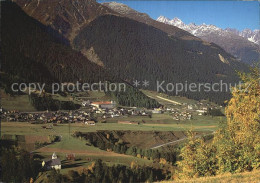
x: 241, y: 148
x: 236, y: 145
x: 198, y: 159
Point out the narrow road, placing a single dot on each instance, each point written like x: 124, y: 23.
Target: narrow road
x: 168, y: 143
x: 179, y: 140
x: 168, y: 100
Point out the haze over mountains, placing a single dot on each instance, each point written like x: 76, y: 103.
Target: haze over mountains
x: 243, y: 45
x: 128, y: 44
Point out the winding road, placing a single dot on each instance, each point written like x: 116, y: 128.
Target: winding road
x: 179, y: 140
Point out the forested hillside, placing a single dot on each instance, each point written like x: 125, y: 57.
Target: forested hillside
x: 32, y: 52
x: 34, y: 55
x: 234, y: 44
x: 134, y: 50
x: 137, y: 48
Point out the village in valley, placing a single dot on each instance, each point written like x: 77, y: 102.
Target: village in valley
x: 103, y: 92
x: 91, y: 113
x: 102, y: 129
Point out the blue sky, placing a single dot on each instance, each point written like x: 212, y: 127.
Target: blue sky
x: 232, y: 14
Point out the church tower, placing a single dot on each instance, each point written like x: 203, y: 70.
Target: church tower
x: 54, y: 156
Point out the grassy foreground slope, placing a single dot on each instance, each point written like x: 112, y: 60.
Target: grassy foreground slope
x: 68, y: 145
x: 246, y: 177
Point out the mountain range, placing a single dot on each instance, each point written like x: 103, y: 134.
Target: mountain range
x: 127, y: 45
x: 251, y: 35
x: 128, y: 12
x: 243, y: 45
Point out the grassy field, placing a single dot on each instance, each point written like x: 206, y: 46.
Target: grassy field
x: 178, y: 99
x: 156, y: 118
x: 165, y: 122
x: 69, y: 145
x: 166, y: 118
x: 86, y: 153
x: 62, y: 98
x: 92, y: 96
x: 20, y: 103
x: 23, y: 128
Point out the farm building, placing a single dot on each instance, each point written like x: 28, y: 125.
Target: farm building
x: 70, y: 156
x: 53, y: 163
x: 104, y: 105
x: 85, y: 103
x: 157, y: 111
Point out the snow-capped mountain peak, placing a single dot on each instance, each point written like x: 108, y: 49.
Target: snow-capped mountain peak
x: 253, y: 36
x: 197, y: 30
x: 176, y: 21
x: 119, y: 6
x: 124, y: 9
x: 205, y: 29
x: 163, y: 19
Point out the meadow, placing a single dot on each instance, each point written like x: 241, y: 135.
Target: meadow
x: 19, y: 103
x: 69, y: 145
x: 84, y: 153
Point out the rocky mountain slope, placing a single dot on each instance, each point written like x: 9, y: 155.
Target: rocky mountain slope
x: 65, y: 16
x: 251, y: 35
x: 126, y: 11
x: 240, y: 44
